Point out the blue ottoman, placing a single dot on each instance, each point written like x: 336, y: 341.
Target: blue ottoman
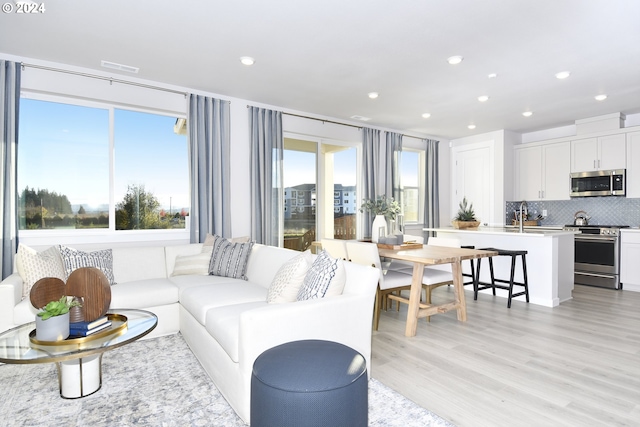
x: 309, y: 383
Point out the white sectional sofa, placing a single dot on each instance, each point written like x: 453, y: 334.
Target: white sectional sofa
x: 227, y: 322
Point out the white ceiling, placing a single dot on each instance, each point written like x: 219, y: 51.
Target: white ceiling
x: 324, y: 57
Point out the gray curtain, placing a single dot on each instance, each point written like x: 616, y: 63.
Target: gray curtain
x: 208, y: 126
x: 9, y: 109
x: 431, y: 196
x: 393, y: 154
x: 370, y: 166
x: 267, y: 192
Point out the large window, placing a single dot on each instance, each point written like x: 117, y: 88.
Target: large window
x: 67, y: 152
x: 299, y: 172
x: 409, y: 179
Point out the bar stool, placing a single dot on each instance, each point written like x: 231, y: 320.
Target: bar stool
x: 511, y: 282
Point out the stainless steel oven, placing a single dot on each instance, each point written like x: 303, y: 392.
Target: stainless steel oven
x: 597, y: 255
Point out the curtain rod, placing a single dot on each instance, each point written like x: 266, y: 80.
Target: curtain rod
x: 343, y: 124
x: 109, y: 79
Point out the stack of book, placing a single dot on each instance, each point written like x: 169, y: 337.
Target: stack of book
x: 83, y: 329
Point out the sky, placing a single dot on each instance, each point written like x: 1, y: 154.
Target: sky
x: 65, y: 148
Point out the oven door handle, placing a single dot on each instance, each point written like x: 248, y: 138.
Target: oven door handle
x: 596, y: 239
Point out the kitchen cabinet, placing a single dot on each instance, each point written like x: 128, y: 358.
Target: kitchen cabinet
x: 629, y: 256
x: 542, y: 172
x: 598, y: 153
x: 633, y: 165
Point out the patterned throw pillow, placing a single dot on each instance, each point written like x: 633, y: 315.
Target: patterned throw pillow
x: 33, y: 266
x: 229, y: 259
x: 207, y: 245
x: 287, y: 281
x: 74, y: 259
x: 192, y: 264
x: 326, y: 277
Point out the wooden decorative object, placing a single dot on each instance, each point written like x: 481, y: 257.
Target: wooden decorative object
x: 399, y: 247
x: 465, y: 224
x: 92, y: 285
x: 526, y: 222
x: 46, y: 290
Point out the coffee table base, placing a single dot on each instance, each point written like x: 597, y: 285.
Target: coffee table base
x: 80, y: 377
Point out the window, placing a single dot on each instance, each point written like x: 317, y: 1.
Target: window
x: 299, y: 173
x: 409, y: 179
x: 65, y: 160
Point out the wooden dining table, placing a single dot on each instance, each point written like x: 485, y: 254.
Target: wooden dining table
x: 427, y: 255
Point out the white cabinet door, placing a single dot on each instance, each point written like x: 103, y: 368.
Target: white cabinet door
x: 473, y: 179
x: 633, y: 165
x: 556, y: 182
x: 612, y: 152
x: 629, y: 256
x: 584, y: 155
x: 528, y: 173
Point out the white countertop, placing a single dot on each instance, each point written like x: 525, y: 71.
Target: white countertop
x: 509, y: 231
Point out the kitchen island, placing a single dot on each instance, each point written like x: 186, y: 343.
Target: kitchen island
x: 550, y: 259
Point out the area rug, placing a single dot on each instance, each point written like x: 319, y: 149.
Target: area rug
x: 157, y: 382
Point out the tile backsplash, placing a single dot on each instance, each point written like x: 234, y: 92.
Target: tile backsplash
x: 602, y: 210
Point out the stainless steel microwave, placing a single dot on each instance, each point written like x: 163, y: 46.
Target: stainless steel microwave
x: 598, y: 183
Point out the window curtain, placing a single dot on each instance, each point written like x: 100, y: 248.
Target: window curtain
x: 370, y: 166
x: 393, y: 154
x: 267, y: 192
x: 209, y: 167
x: 431, y: 195
x: 9, y: 109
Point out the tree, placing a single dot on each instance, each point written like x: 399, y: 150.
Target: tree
x: 139, y: 210
x: 81, y: 210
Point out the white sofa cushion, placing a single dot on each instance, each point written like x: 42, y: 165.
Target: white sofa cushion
x: 262, y: 268
x: 101, y: 259
x: 223, y: 324
x: 326, y: 277
x: 33, y: 266
x: 197, y: 300
x: 289, y: 278
x: 144, y: 293
x: 229, y: 259
x: 24, y: 312
x: 141, y: 263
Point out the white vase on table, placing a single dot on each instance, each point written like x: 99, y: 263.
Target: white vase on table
x: 378, y: 222
x: 55, y: 328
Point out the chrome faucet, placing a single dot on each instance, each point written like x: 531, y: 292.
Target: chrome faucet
x: 523, y: 208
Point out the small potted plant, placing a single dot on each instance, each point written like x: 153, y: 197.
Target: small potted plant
x: 466, y: 217
x: 382, y: 208
x: 52, y: 322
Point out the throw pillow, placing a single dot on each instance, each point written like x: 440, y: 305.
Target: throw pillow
x: 326, y: 277
x: 288, y: 280
x: 207, y: 245
x: 73, y: 259
x: 229, y: 259
x: 192, y: 264
x: 33, y: 266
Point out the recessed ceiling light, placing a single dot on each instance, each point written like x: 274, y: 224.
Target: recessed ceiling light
x: 453, y: 60
x: 364, y: 119
x: 527, y: 113
x: 426, y: 115
x: 601, y: 97
x: 562, y: 75
x: 492, y: 76
x: 373, y: 95
x: 483, y: 98
x: 119, y: 67
x: 471, y: 126
x: 247, y: 60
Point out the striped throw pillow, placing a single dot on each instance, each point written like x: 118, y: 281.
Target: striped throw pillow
x: 74, y: 259
x: 229, y: 259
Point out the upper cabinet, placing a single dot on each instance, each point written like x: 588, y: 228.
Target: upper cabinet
x: 633, y: 164
x: 542, y: 172
x: 598, y: 153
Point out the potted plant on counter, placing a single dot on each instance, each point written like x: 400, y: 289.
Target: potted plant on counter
x: 52, y: 323
x: 466, y: 217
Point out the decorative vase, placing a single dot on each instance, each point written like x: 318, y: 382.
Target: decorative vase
x: 379, y: 228
x: 55, y: 328
x: 465, y: 224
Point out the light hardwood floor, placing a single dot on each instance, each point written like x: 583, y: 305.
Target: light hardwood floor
x: 577, y: 364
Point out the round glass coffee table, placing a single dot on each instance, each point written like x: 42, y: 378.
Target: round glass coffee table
x: 79, y: 360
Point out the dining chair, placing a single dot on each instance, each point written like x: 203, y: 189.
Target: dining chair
x: 390, y: 281
x: 337, y: 248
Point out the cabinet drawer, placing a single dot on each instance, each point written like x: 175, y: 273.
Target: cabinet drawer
x: 630, y: 237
